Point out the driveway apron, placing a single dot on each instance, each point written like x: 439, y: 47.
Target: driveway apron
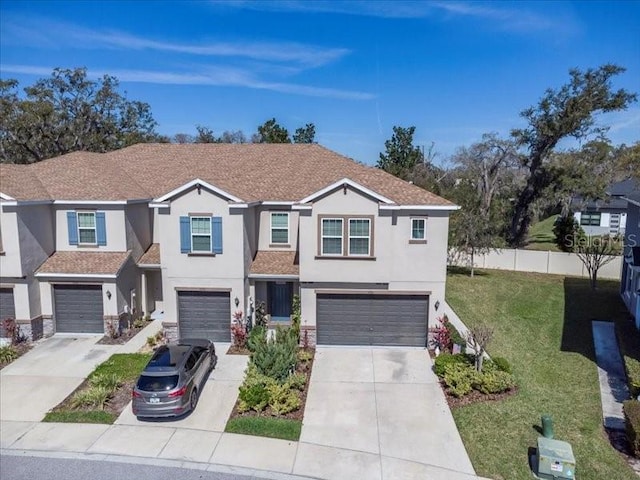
x: 44, y: 376
x: 385, y: 406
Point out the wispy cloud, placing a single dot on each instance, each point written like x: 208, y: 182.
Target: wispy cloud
x: 501, y: 17
x: 213, y: 76
x: 48, y: 33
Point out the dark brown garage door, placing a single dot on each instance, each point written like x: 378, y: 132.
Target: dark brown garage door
x: 78, y: 308
x: 380, y: 319
x: 204, y: 315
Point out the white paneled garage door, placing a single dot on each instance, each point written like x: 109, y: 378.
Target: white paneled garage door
x: 372, y: 319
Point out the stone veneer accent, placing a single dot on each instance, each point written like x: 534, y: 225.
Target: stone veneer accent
x: 311, y: 334
x: 170, y: 331
x: 48, y: 328
x: 32, y: 329
x: 115, y: 321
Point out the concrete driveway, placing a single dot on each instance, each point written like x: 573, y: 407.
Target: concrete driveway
x: 378, y: 413
x: 216, y: 400
x: 44, y: 376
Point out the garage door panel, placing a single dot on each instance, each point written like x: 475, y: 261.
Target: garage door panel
x: 204, y: 315
x: 361, y: 319
x: 78, y: 308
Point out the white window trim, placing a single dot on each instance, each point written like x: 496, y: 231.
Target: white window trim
x: 323, y: 236
x: 95, y: 228
x: 424, y: 229
x: 280, y: 228
x: 368, y: 237
x: 201, y: 234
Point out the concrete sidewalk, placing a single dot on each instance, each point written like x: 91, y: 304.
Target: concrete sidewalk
x: 611, y: 373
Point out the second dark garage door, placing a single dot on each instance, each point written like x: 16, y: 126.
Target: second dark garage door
x: 204, y: 315
x: 78, y: 308
x: 372, y: 319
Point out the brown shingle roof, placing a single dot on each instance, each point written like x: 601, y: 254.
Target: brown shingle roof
x: 252, y: 172
x: 151, y: 256
x: 275, y: 263
x: 91, y: 263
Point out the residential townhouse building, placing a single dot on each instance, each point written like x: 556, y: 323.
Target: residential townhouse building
x: 196, y: 233
x: 630, y: 276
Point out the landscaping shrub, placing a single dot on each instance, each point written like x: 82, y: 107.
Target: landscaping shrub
x: 631, y: 410
x: 108, y: 381
x: 283, y: 398
x: 93, y: 397
x: 445, y: 359
x: 139, y: 322
x: 276, y: 358
x: 633, y: 375
x: 566, y: 230
x: 253, y: 391
x: 490, y: 381
x: 304, y: 356
x: 441, y: 336
x: 261, y: 315
x: 239, y: 333
x: 12, y: 330
x: 296, y: 318
x: 258, y: 336
x: 502, y: 364
x: 454, y: 335
x: 8, y: 354
x: 460, y: 378
x: 297, y: 381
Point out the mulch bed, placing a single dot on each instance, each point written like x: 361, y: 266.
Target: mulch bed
x: 305, y: 368
x: 475, y: 397
x: 234, y: 350
x: 21, y: 348
x: 620, y: 442
x: 123, y: 338
x: 115, y: 405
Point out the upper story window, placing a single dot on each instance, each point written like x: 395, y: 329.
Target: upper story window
x: 87, y: 228
x: 332, y: 236
x: 590, y: 219
x: 418, y: 229
x: 359, y: 236
x: 200, y: 233
x: 346, y: 236
x: 280, y: 228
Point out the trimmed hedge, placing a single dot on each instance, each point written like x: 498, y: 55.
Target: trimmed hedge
x: 631, y: 409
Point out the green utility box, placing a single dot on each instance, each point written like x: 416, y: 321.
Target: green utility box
x: 555, y: 460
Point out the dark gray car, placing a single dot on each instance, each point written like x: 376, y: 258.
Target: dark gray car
x: 170, y: 384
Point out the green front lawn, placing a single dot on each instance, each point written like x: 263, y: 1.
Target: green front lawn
x: 543, y: 327
x: 541, y: 236
x: 126, y: 367
x: 283, y: 428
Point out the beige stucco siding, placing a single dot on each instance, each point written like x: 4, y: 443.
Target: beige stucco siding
x: 138, y: 219
x: 265, y: 229
x: 397, y: 263
x: 184, y: 271
x: 10, y: 263
x: 114, y: 223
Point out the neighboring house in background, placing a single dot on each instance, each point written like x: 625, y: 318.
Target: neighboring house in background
x: 200, y: 231
x: 608, y: 216
x: 630, y: 279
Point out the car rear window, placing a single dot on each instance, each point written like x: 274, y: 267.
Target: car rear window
x: 157, y: 384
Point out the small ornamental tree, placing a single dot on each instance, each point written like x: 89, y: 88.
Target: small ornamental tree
x: 566, y: 230
x: 239, y: 330
x: 595, y: 253
x: 479, y: 337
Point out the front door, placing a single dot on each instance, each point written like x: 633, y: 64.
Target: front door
x: 280, y: 300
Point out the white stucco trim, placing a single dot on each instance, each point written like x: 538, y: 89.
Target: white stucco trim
x: 266, y: 276
x: 159, y: 205
x: 341, y: 183
x: 75, y: 275
x: 4, y: 196
x: 420, y: 207
x: 192, y: 184
x: 635, y: 202
x: 302, y: 207
x: 17, y: 203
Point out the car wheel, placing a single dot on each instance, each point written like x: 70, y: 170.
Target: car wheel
x: 194, y: 399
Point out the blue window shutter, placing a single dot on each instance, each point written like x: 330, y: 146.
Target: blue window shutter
x: 216, y: 232
x: 185, y: 235
x: 72, y: 226
x: 101, y: 229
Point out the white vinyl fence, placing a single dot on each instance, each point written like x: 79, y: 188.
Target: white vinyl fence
x: 558, y: 263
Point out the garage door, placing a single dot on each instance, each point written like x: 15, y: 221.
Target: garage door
x: 78, y: 308
x: 204, y: 315
x: 392, y: 320
x: 7, y: 306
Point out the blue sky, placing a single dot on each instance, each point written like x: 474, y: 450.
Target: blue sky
x: 453, y: 69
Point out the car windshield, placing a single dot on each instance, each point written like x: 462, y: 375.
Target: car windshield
x: 150, y: 383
